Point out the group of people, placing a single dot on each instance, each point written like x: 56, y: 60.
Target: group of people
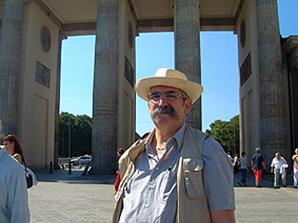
x: 278, y: 165
x: 13, y: 184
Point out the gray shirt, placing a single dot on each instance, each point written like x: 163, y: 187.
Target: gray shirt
x: 13, y: 191
x: 151, y: 193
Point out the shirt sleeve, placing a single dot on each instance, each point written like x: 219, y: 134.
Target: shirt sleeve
x: 18, y: 197
x: 218, y: 176
x: 284, y: 160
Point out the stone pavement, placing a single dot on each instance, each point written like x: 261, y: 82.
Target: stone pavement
x: 265, y: 205
x: 64, y: 198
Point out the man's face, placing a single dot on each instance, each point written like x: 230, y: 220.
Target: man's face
x: 168, y: 106
x: 277, y: 156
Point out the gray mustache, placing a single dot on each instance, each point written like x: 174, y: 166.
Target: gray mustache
x: 164, y: 110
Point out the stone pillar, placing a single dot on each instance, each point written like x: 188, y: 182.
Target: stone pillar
x: 187, y: 48
x: 61, y: 37
x: 105, y: 92
x: 10, y: 63
x: 273, y: 135
x: 291, y: 53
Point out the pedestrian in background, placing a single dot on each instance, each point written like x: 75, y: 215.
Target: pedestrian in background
x: 258, y: 166
x: 243, y: 169
x: 14, y: 148
x: 278, y: 167
x: 13, y: 191
x: 120, y: 151
x: 295, y: 168
x: 236, y: 163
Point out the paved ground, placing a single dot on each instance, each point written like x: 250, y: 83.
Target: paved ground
x: 64, y: 198
x: 266, y: 205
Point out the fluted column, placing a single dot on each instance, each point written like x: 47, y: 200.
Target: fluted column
x: 61, y: 37
x: 10, y: 63
x: 292, y: 61
x: 105, y: 92
x: 187, y: 48
x: 272, y: 99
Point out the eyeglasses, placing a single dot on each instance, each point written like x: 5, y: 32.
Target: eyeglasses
x: 171, y: 96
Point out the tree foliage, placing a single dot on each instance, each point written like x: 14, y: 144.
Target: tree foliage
x: 227, y: 134
x: 79, y: 130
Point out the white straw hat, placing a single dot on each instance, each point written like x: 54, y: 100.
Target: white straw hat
x: 170, y: 78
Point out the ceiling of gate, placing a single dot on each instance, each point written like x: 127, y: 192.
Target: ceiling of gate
x: 164, y: 8
x: 152, y: 14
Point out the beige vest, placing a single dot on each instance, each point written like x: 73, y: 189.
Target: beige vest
x: 192, y: 204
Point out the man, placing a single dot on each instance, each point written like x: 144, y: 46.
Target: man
x: 243, y: 169
x: 278, y: 167
x: 176, y: 173
x: 13, y: 190
x: 258, y: 166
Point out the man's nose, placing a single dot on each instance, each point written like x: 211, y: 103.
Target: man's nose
x: 163, y: 101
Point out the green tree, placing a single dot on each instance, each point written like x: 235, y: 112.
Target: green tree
x: 227, y: 134
x: 80, y: 129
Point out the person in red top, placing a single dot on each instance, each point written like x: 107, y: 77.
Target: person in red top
x: 120, y: 151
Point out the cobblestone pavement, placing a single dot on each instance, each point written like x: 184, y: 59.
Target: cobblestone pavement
x: 70, y: 198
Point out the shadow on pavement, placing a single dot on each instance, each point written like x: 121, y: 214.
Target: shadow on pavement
x: 74, y: 178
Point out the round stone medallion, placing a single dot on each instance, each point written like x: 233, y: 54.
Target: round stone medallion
x: 45, y: 39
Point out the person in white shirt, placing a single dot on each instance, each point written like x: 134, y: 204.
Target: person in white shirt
x: 278, y: 167
x: 13, y: 190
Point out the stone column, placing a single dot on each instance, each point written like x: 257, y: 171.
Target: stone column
x: 61, y: 37
x: 105, y: 92
x: 272, y: 99
x: 187, y: 48
x: 10, y: 63
x: 290, y: 59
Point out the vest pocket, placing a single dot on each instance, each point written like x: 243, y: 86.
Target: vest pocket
x: 193, y: 178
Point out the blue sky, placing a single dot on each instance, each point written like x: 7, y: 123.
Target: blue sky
x: 219, y: 65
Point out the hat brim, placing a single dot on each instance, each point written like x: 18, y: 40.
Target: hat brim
x: 191, y: 88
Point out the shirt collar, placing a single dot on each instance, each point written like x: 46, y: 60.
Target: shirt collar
x: 178, y: 137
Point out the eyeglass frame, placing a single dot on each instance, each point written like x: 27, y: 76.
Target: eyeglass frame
x: 164, y: 95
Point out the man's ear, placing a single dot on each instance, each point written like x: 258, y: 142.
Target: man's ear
x: 188, y: 105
